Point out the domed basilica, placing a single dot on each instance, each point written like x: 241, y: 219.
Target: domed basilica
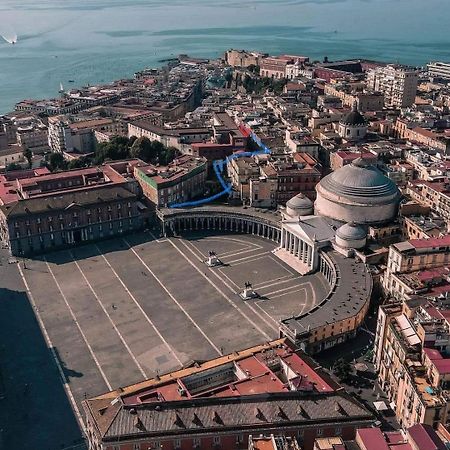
x: 348, y: 200
x: 358, y: 193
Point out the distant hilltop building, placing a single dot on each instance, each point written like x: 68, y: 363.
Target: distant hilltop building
x: 243, y: 58
x: 284, y: 66
x: 398, y: 84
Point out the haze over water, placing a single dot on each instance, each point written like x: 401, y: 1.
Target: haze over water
x: 91, y: 41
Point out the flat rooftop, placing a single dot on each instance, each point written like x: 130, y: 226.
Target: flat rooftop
x: 351, y: 293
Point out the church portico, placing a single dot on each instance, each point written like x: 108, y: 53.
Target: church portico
x: 301, y: 241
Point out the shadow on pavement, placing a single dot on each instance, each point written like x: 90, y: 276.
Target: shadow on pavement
x: 35, y: 412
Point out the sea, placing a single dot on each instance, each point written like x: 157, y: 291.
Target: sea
x: 76, y: 42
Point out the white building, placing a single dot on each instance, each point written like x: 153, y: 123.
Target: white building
x: 439, y: 69
x: 359, y: 193
x: 398, y: 84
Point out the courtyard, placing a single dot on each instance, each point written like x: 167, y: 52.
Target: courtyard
x: 119, y: 311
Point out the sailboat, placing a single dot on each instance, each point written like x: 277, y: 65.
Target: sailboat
x: 61, y: 88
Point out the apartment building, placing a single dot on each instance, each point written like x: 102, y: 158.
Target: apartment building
x: 418, y: 254
x: 418, y: 267
x: 417, y: 437
x: 266, y: 181
x: 180, y: 138
x: 424, y: 226
x: 397, y: 83
x: 350, y: 93
x: 409, y: 130
x: 181, y: 181
x: 435, y: 194
x: 410, y: 358
x: 273, y: 442
x: 341, y: 158
x: 67, y: 135
x: 439, y: 69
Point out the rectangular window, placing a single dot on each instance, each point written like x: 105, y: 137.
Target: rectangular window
x: 137, y: 447
x: 216, y: 440
x: 319, y: 432
x: 196, y: 442
x: 177, y: 443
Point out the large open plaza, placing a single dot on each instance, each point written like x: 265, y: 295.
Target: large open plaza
x: 123, y: 310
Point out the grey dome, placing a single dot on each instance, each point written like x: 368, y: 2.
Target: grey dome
x: 351, y: 232
x: 299, y: 202
x: 354, y: 118
x: 359, y: 193
x: 360, y: 180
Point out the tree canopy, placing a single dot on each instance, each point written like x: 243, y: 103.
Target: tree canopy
x: 13, y: 166
x: 28, y: 154
x: 56, y: 161
x: 119, y: 147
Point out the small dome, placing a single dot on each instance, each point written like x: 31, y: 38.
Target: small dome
x: 300, y: 205
x: 354, y: 118
x: 351, y: 232
x: 300, y: 201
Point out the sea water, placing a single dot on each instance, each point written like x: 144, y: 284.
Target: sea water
x: 94, y: 41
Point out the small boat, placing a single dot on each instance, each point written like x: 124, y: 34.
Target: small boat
x: 10, y: 40
x: 61, y: 88
x: 71, y: 81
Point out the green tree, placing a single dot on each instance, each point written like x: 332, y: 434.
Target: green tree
x: 118, y: 147
x: 78, y: 163
x: 167, y: 155
x: 56, y: 161
x: 342, y: 369
x: 254, y: 69
x: 143, y: 148
x: 13, y: 166
x: 28, y: 154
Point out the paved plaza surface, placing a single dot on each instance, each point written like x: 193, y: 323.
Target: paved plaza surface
x: 123, y: 310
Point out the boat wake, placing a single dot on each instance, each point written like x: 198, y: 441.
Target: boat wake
x: 10, y: 39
